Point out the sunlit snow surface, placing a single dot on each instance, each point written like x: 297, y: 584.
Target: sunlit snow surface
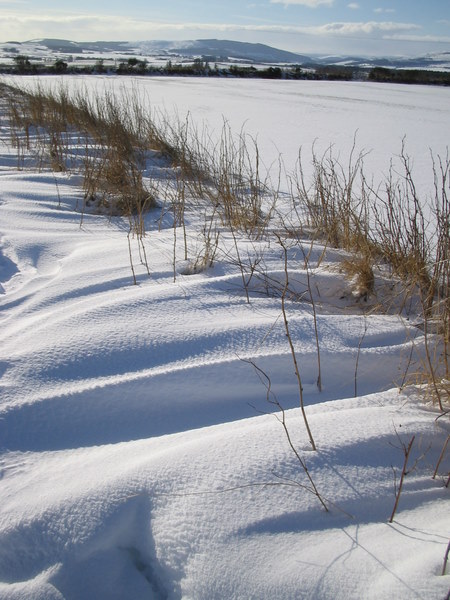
x: 134, y: 437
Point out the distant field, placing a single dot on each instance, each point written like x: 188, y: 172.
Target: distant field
x: 286, y: 115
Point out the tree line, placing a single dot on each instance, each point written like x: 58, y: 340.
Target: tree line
x: 202, y: 68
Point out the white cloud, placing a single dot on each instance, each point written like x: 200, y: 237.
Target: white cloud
x: 353, y: 5
x: 436, y: 39
x: 367, y: 28
x: 94, y: 27
x: 384, y: 10
x: 309, y: 3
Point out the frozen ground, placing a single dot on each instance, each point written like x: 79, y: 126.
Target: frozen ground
x: 137, y: 456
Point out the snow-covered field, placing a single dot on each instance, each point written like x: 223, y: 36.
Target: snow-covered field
x: 140, y: 457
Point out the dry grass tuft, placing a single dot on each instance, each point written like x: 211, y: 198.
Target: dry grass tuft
x: 359, y: 271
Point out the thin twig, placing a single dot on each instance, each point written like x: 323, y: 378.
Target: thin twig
x: 441, y: 456
x: 272, y: 399
x: 444, y: 566
x: 407, y: 452
x: 291, y: 344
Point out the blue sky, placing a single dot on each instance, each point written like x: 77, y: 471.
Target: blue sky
x: 372, y: 27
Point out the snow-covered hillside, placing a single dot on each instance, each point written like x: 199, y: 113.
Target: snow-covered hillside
x: 142, y: 454
x: 157, y: 52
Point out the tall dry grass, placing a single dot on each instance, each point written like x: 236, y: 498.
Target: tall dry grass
x: 111, y: 139
x: 390, y: 227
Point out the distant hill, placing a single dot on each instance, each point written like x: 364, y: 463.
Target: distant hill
x: 435, y: 61
x: 67, y: 46
x: 216, y: 49
x: 227, y: 50
x: 211, y: 50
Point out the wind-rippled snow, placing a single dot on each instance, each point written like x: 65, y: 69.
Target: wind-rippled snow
x: 138, y: 460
